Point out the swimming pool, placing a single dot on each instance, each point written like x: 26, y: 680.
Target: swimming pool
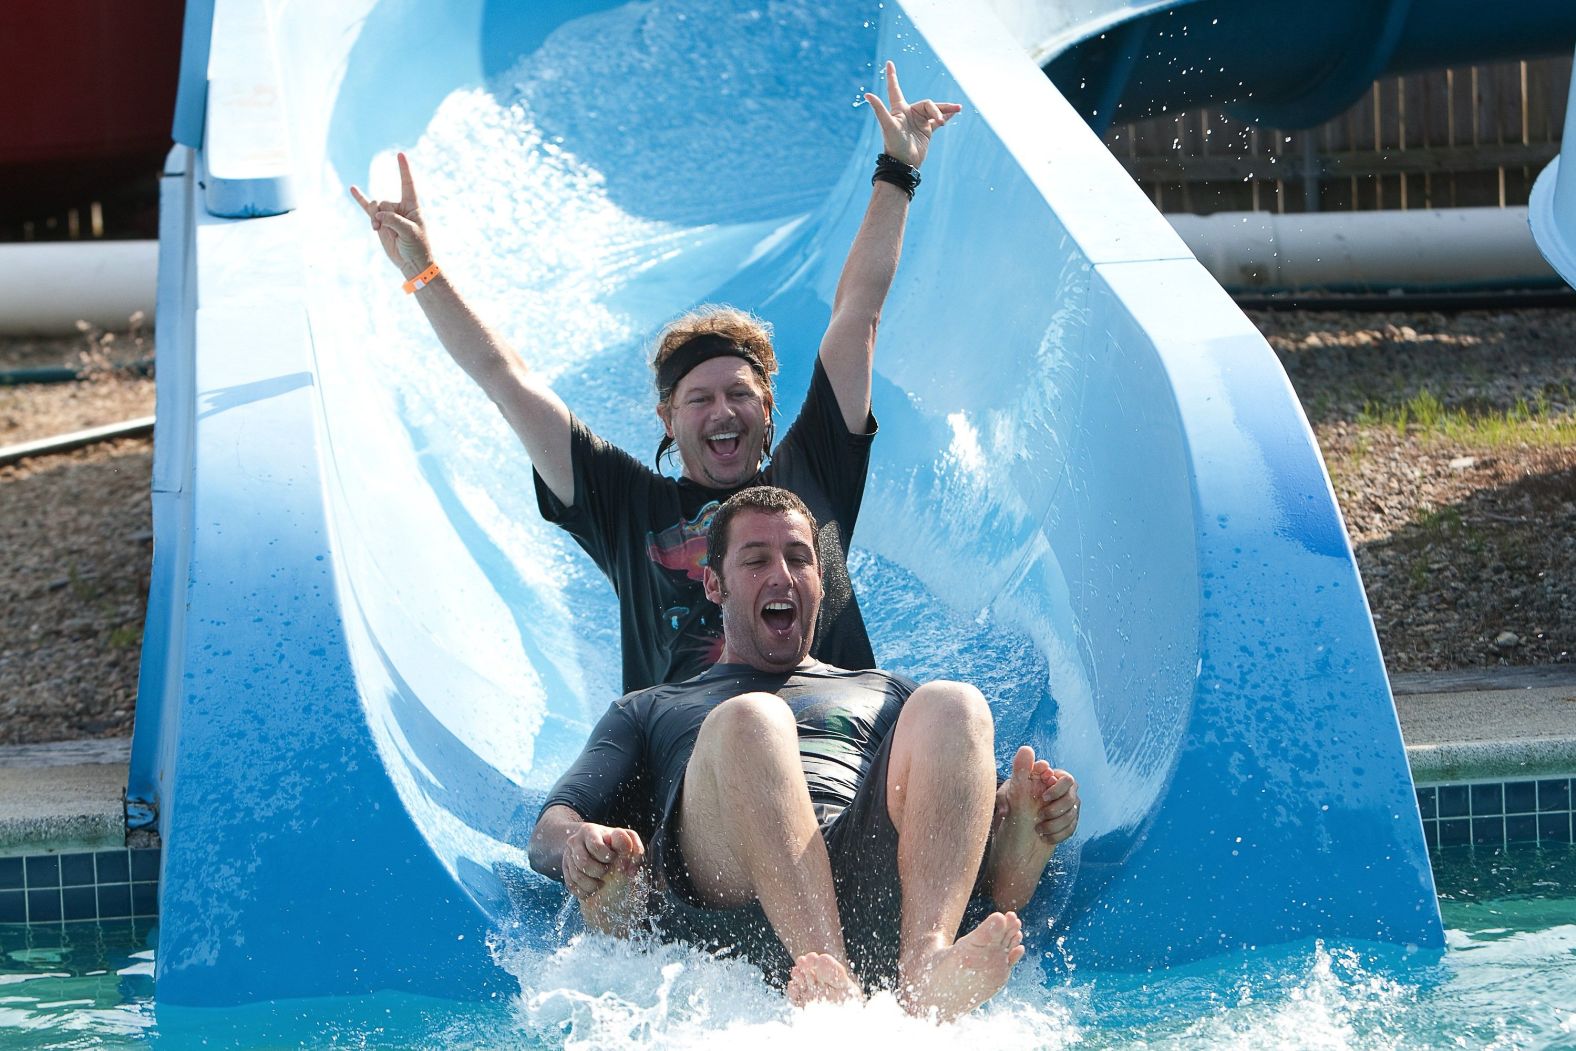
x: 1507, y: 980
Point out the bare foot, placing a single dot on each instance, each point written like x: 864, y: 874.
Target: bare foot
x: 820, y: 978
x: 618, y: 905
x: 1037, y: 808
x: 954, y: 979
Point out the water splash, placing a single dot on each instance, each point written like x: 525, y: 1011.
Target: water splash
x: 600, y: 993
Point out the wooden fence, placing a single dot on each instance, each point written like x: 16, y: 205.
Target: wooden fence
x: 1452, y: 138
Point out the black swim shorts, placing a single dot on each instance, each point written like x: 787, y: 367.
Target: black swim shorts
x: 861, y: 842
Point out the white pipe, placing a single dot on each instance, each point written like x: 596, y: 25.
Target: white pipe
x: 1438, y: 249
x: 49, y: 286
x: 142, y: 425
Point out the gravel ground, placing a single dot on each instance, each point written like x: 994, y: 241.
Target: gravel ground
x: 1466, y: 536
x: 75, y: 546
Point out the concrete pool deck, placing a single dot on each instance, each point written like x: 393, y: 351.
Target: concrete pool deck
x: 1458, y: 726
x: 1488, y: 723
x: 65, y: 794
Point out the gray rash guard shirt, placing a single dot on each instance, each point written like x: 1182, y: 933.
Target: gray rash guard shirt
x: 632, y: 768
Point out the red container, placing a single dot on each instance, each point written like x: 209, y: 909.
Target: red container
x: 90, y: 91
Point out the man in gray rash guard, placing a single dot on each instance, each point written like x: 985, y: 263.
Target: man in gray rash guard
x: 841, y: 818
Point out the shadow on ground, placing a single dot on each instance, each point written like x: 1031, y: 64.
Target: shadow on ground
x: 1484, y: 581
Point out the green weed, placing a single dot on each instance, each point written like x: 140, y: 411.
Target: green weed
x: 1436, y: 524
x: 1536, y: 422
x: 125, y: 636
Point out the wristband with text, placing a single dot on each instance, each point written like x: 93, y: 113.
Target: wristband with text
x: 423, y: 279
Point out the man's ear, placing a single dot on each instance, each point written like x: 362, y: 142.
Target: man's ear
x: 712, y: 582
x: 665, y: 414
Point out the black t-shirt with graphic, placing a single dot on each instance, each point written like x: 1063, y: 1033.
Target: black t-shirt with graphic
x: 633, y: 765
x: 647, y: 532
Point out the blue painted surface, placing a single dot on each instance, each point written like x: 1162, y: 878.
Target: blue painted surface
x: 191, y: 98
x: 1552, y: 208
x: 1143, y: 55
x: 1093, y: 493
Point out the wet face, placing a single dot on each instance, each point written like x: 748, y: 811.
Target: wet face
x: 769, y: 590
x: 717, y: 417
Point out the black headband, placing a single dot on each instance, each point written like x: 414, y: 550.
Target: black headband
x: 694, y: 351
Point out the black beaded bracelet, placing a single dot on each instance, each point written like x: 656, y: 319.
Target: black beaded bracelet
x: 889, y: 169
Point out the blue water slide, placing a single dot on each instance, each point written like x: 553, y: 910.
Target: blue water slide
x: 1094, y: 492
x: 1285, y: 65
x: 1552, y: 209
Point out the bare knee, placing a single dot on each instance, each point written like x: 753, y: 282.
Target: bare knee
x: 949, y: 708
x: 944, y: 738
x: 751, y: 718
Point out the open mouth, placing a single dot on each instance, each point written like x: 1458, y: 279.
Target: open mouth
x: 725, y: 444
x: 780, y: 616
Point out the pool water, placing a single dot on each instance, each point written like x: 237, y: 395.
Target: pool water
x: 75, y: 985
x: 1507, y: 980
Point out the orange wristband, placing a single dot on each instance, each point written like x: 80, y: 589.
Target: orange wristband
x: 423, y: 279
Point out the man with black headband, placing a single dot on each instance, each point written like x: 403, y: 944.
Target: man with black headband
x: 646, y: 531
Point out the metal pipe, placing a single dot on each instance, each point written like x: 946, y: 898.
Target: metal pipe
x: 1425, y: 249
x: 51, y: 285
x: 138, y: 428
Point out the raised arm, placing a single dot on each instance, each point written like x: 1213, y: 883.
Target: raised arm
x: 537, y: 414
x: 849, y: 346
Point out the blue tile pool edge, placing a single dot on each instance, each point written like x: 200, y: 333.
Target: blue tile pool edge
x: 68, y: 886
x: 54, y: 887
x: 1498, y: 812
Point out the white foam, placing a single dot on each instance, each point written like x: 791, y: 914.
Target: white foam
x: 598, y: 992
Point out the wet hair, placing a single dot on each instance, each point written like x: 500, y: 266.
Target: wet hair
x: 768, y: 499
x: 752, y: 339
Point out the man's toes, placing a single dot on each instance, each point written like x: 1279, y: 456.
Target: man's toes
x: 801, y: 988
x: 994, y: 925
x: 815, y: 969
x: 1022, y: 762
x: 820, y: 977
x: 1009, y: 930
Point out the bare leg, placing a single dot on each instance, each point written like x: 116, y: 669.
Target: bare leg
x: 749, y: 833
x: 1019, y: 852
x: 940, y: 795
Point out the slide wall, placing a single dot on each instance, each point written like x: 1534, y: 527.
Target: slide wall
x: 1093, y: 493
